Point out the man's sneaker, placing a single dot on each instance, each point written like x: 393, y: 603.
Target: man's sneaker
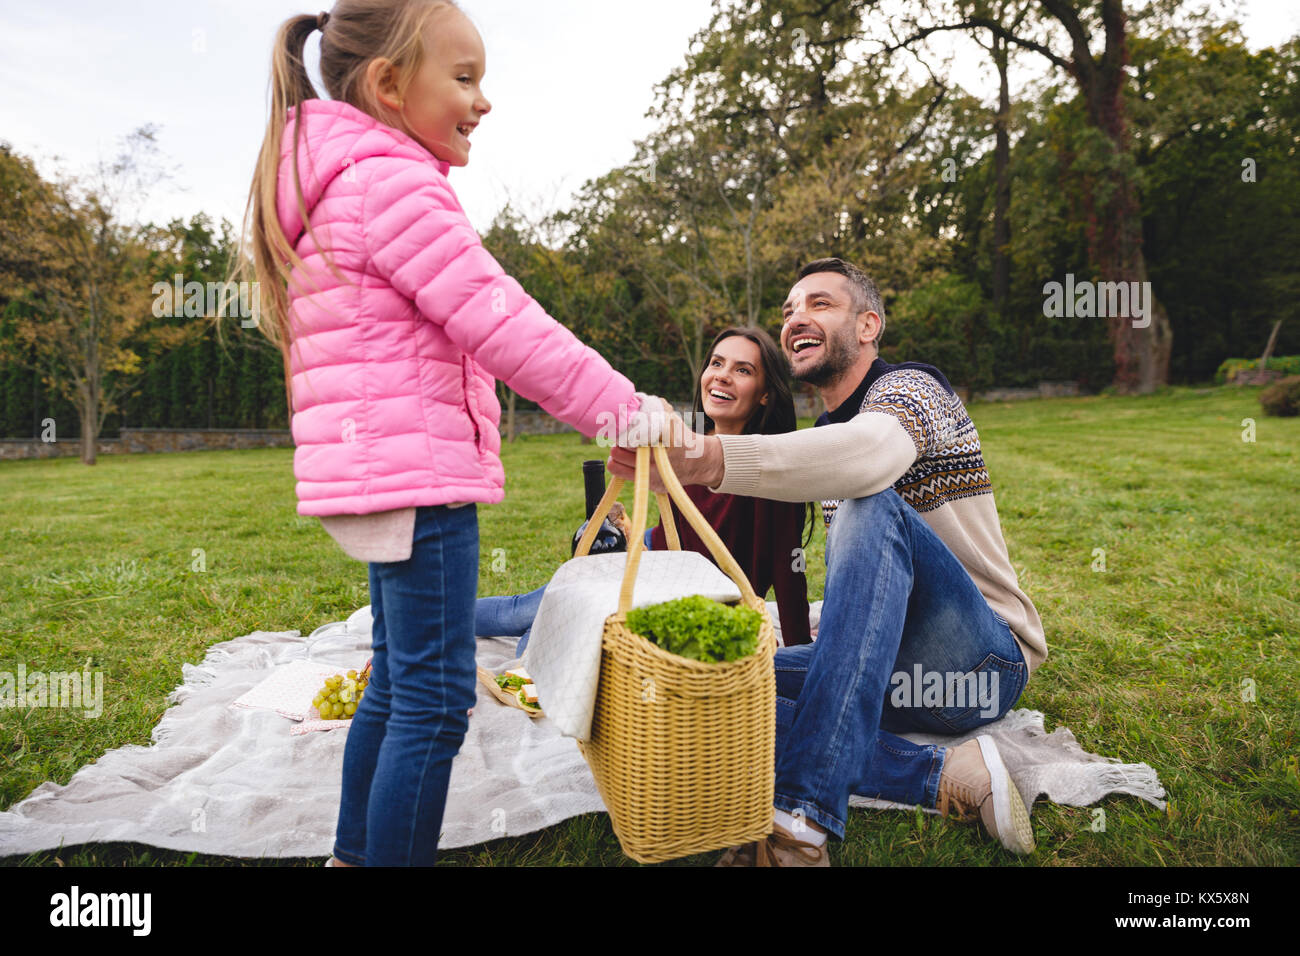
x: 780, y: 848
x: 975, y: 782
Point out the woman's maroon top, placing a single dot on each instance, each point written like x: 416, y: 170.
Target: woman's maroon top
x: 763, y: 536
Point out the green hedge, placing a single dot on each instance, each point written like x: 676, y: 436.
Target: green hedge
x: 1228, y: 371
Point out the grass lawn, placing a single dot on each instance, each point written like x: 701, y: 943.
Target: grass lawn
x: 1184, y: 652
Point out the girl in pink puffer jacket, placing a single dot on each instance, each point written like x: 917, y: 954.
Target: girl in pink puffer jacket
x: 394, y: 322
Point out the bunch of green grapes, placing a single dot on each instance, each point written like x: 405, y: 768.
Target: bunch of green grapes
x: 339, y: 698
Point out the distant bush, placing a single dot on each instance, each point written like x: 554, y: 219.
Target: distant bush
x: 1231, y: 368
x: 937, y: 323
x: 1282, y: 397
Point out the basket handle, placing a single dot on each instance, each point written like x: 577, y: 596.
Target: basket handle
x: 670, y: 525
x: 640, y: 501
x: 606, y: 503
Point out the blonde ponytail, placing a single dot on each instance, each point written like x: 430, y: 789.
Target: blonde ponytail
x: 272, y: 253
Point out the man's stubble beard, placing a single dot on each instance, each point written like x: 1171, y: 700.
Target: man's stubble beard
x: 840, y: 352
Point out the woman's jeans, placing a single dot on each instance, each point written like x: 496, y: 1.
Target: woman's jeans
x: 508, y: 616
x: 512, y: 615
x: 415, y: 712
x: 906, y: 643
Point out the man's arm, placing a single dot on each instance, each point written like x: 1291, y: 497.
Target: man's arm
x: 860, y: 457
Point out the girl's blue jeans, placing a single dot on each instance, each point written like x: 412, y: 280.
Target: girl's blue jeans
x: 414, y: 715
x: 901, y: 618
x: 512, y: 614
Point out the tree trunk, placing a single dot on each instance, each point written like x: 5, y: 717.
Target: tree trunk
x: 1002, y: 189
x: 89, y: 393
x: 1142, y: 345
x: 34, y: 365
x: 88, y: 412
x: 1268, y: 349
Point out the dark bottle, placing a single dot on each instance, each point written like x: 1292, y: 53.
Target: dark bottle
x: 609, y: 538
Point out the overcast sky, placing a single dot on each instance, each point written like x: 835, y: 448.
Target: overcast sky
x: 569, y: 80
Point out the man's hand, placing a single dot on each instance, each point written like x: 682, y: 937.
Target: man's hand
x: 695, y: 459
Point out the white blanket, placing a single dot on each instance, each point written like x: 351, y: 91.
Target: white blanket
x: 235, y: 782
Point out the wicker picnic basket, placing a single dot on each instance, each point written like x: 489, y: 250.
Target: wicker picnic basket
x: 682, y: 750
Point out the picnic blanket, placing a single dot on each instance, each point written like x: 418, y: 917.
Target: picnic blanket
x: 234, y: 781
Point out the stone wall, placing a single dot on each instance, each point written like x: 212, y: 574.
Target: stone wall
x: 533, y: 423
x: 1044, y: 390
x: 12, y: 449
x: 138, y: 440
x: 205, y: 439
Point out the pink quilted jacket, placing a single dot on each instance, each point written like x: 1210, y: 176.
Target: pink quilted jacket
x: 393, y: 366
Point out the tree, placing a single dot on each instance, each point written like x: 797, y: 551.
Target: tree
x: 72, y: 256
x: 196, y: 373
x: 1011, y: 13
x: 778, y: 142
x: 1107, y: 173
x: 1216, y: 134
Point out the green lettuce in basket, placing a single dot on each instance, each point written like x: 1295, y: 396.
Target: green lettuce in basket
x: 699, y: 628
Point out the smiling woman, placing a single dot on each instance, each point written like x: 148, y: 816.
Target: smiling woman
x: 733, y: 386
x: 743, y: 390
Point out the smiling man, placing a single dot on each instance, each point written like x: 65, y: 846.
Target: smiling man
x: 924, y: 626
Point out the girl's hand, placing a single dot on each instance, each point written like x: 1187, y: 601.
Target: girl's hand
x: 655, y: 422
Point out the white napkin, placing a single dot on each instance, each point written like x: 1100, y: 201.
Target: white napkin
x: 289, y: 689
x: 563, y: 653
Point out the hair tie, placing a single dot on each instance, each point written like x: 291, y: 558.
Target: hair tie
x: 322, y: 18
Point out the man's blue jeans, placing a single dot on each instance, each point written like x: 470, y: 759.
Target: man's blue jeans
x: 898, y: 606
x: 414, y: 715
